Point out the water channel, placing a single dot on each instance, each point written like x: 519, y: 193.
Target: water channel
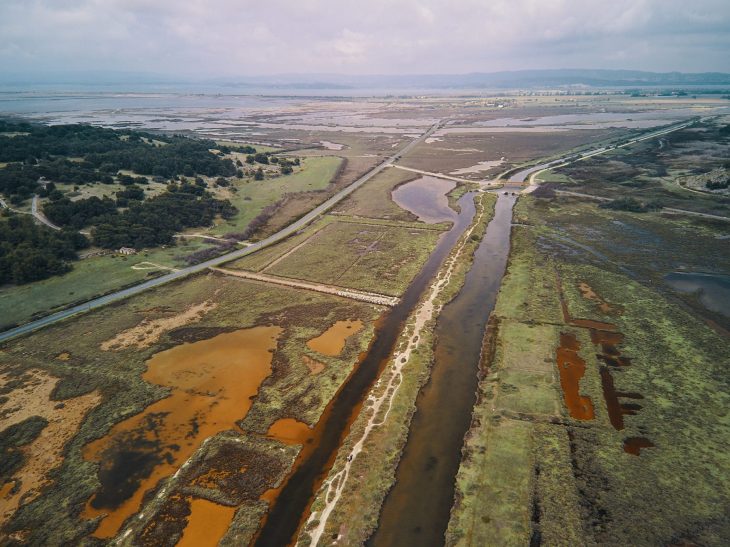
x: 416, y: 511
x: 291, y: 505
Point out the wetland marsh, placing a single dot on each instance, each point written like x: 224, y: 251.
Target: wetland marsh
x: 483, y: 368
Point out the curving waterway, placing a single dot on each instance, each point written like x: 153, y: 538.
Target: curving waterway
x: 417, y: 509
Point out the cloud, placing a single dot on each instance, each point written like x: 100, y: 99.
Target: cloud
x: 236, y: 37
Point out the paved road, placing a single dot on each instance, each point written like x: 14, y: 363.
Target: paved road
x: 529, y: 173
x: 172, y: 276
x: 40, y: 216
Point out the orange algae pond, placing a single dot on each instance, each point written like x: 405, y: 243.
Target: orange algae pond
x: 212, y: 382
x: 332, y: 341
x: 572, y: 368
x: 207, y: 524
x: 290, y: 431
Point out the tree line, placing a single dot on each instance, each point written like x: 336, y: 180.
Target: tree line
x: 29, y: 252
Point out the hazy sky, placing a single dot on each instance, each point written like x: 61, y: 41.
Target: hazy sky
x: 242, y: 37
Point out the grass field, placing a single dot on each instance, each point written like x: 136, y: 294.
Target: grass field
x: 373, y: 199
x: 90, y: 277
x: 370, y: 257
x: 251, y: 197
x: 99, y: 275
x: 530, y: 470
x: 75, y: 357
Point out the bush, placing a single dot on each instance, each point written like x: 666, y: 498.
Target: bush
x: 632, y: 204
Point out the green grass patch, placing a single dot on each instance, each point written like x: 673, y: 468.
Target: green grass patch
x: 494, y: 488
x: 362, y: 256
x: 374, y: 198
x: 89, y: 278
x: 252, y: 196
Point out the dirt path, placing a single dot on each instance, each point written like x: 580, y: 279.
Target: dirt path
x: 212, y: 238
x: 372, y: 298
x: 482, y: 183
x: 152, y: 266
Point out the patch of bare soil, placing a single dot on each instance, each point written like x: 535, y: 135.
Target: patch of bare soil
x: 588, y: 293
x: 149, y: 330
x: 44, y: 453
x: 314, y: 366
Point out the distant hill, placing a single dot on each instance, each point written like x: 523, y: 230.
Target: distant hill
x: 522, y: 79
x: 504, y: 80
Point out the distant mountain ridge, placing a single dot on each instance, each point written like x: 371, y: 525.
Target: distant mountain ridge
x: 530, y: 79
x: 505, y: 79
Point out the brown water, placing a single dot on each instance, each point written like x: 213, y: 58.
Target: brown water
x: 332, y: 341
x: 426, y: 198
x: 207, y: 524
x: 587, y: 292
x: 212, y: 382
x: 290, y: 431
x: 416, y: 510
x: 633, y: 445
x: 572, y: 368
x: 291, y: 502
x: 612, y: 358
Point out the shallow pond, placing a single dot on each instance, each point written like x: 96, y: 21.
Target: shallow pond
x: 207, y: 524
x: 481, y: 166
x: 332, y: 341
x: 426, y: 198
x: 211, y: 385
x: 713, y: 289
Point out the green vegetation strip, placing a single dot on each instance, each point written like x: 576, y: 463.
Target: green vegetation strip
x: 529, y: 471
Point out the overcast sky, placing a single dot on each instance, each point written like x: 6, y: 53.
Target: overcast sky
x: 243, y: 37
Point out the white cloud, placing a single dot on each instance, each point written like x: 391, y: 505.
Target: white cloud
x: 211, y: 37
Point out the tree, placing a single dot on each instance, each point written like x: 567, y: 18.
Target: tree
x: 259, y: 175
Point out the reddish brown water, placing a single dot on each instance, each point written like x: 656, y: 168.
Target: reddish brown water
x: 332, y: 341
x: 633, y: 445
x: 583, y: 323
x: 611, y: 356
x: 615, y: 415
x: 572, y: 368
x: 212, y: 382
x: 588, y: 293
x: 290, y: 431
x: 207, y: 523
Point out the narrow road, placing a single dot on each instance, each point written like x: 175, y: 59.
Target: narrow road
x: 40, y: 216
x: 442, y: 176
x: 362, y: 296
x: 529, y: 174
x: 239, y: 253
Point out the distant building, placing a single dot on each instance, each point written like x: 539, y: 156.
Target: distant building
x: 127, y: 251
